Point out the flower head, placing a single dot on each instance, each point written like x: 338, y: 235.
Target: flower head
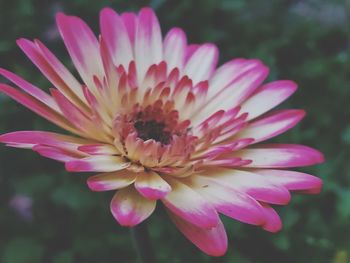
x: 159, y: 121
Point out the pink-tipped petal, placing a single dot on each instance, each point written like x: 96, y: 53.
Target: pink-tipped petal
x: 242, y: 87
x: 202, y: 63
x: 229, y: 202
x: 281, y: 156
x: 228, y: 72
x: 271, y: 125
x: 249, y: 183
x: 99, y: 149
x: 234, y: 94
x: 37, y: 106
x: 115, y: 34
x: 174, y: 49
x: 148, y: 42
x: 30, y: 89
x: 28, y: 139
x: 268, y: 97
x: 273, y: 221
x: 111, y: 181
x: 97, y: 163
x: 151, y: 185
x: 130, y: 208
x: 76, y: 117
x: 190, y: 206
x: 53, y: 69
x: 211, y: 241
x: 57, y: 154
x: 82, y: 46
x: 292, y: 180
x: 130, y: 22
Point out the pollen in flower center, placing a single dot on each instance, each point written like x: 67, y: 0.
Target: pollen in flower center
x: 152, y: 129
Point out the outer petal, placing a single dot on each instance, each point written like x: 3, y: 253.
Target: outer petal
x: 211, y: 241
x: 57, y: 154
x: 229, y: 202
x: 30, y: 89
x: 174, y: 49
x: 111, y: 181
x: 97, y: 163
x: 38, y: 107
x: 234, y: 94
x: 117, y: 39
x: 202, y: 63
x: 268, y: 97
x: 281, y: 156
x: 77, y: 117
x: 151, y: 185
x: 82, y: 46
x: 252, y: 184
x: 228, y: 72
x: 273, y: 221
x: 271, y: 125
x: 292, y: 180
x: 189, y: 205
x: 130, y: 21
x: 129, y: 208
x: 99, y: 149
x: 241, y: 87
x: 28, y: 139
x: 148, y: 43
x: 53, y: 69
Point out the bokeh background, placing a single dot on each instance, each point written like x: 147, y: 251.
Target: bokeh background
x: 48, y: 215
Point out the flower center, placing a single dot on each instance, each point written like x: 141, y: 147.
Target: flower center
x: 152, y: 129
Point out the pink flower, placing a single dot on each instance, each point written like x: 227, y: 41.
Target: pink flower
x: 159, y: 121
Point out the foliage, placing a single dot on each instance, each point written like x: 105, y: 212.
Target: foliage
x: 306, y: 41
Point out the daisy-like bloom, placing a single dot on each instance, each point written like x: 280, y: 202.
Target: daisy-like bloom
x: 157, y: 120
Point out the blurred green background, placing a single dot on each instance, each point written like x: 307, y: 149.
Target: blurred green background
x: 48, y: 215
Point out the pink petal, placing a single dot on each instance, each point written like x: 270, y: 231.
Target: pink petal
x: 130, y: 22
x: 271, y: 125
x: 111, y: 181
x: 53, y: 69
x: 191, y: 48
x: 242, y: 87
x: 174, y: 49
x: 228, y: 72
x: 281, y: 156
x: 292, y: 180
x: 98, y: 149
x: 211, y: 241
x: 37, y: 106
x: 30, y: 89
x: 268, y: 97
x: 190, y: 206
x: 78, y: 118
x: 129, y: 208
x: 28, y: 139
x: 202, y: 63
x: 82, y: 46
x: 229, y: 202
x: 116, y: 36
x: 97, y: 163
x: 273, y: 221
x: 148, y: 42
x: 249, y: 183
x: 234, y: 94
x: 58, y: 154
x: 151, y: 185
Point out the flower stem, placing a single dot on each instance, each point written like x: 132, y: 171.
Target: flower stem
x: 142, y: 243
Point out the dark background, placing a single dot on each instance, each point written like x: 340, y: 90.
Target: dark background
x: 48, y: 215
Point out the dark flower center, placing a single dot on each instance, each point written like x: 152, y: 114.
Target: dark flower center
x: 152, y: 129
